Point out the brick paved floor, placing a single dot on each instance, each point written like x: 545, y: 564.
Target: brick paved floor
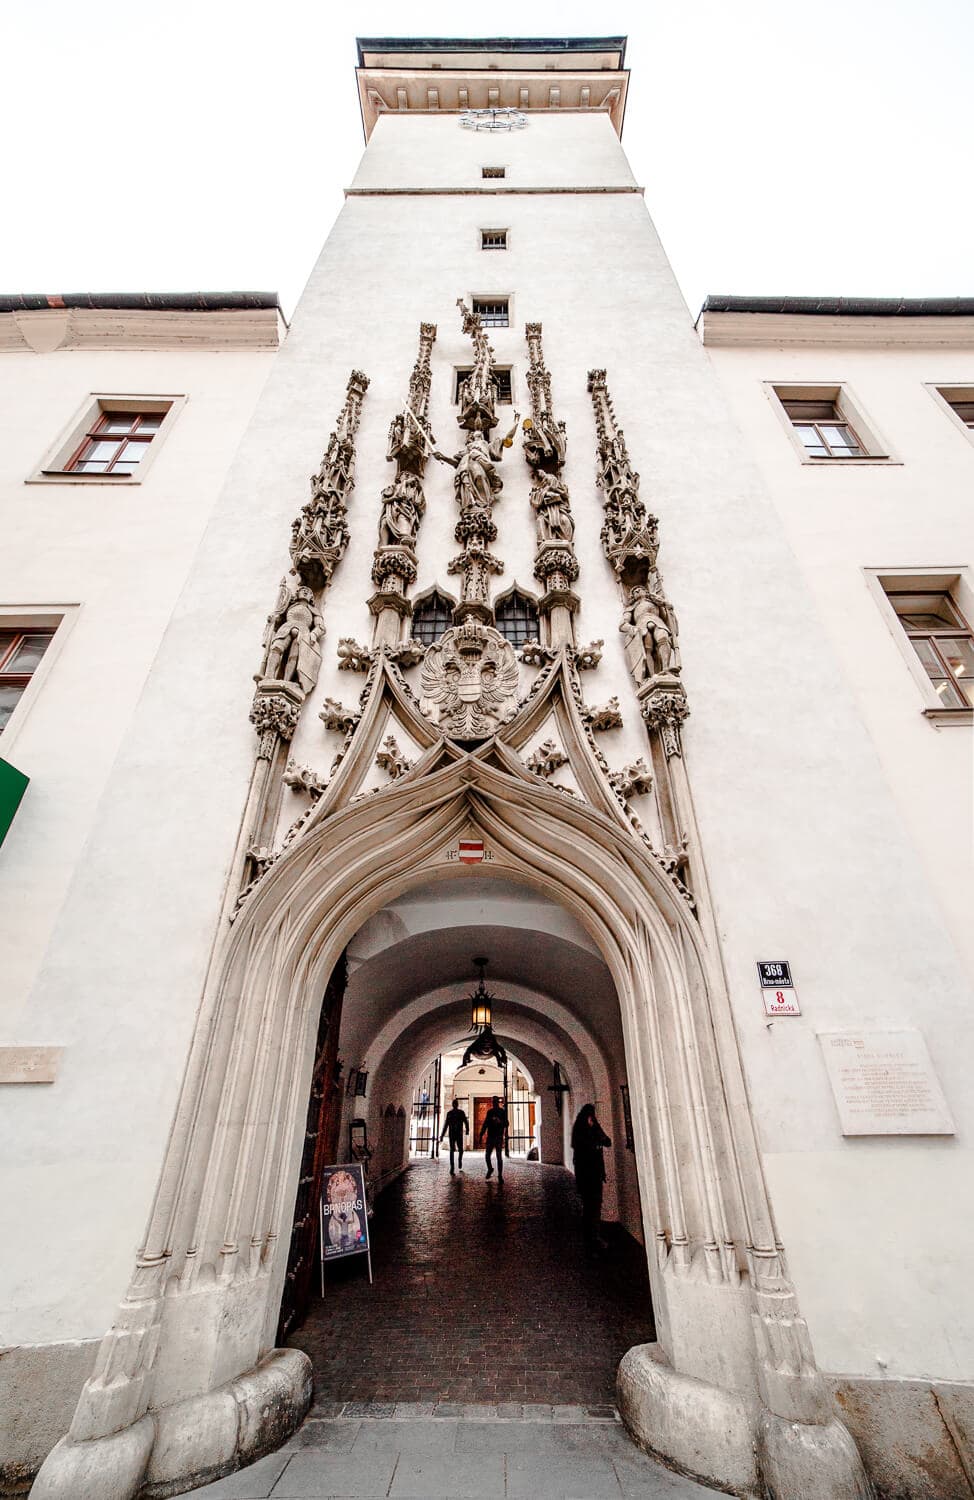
x: 482, y: 1294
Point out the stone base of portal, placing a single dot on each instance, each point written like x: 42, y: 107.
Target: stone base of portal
x: 190, y: 1443
x: 702, y: 1429
x: 722, y: 1438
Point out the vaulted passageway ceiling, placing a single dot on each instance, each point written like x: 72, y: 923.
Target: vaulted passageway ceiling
x: 543, y: 969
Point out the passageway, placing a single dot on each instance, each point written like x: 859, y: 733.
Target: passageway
x: 482, y: 1294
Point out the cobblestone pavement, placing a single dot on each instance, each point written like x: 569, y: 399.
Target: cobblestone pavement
x: 425, y: 1452
x: 482, y: 1294
x: 437, y: 1383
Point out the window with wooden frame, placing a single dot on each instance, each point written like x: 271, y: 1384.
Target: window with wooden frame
x: 822, y: 431
x: 21, y: 651
x: 502, y: 383
x: 493, y: 239
x: 115, y: 443
x: 826, y: 425
x: 495, y: 312
x: 431, y: 617
x: 517, y: 618
x: 112, y: 439
x: 942, y: 639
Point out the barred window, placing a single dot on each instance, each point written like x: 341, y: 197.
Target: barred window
x: 517, y: 619
x: 494, y: 311
x: 431, y: 617
x: 493, y: 239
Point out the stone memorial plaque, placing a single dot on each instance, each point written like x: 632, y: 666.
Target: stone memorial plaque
x: 884, y: 1083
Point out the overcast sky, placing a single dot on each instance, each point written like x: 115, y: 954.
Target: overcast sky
x: 204, y: 146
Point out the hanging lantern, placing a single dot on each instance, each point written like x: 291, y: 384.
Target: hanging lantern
x: 481, y: 1001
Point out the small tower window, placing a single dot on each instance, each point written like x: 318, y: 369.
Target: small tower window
x: 493, y: 239
x: 493, y: 171
x: 431, y: 617
x: 517, y: 619
x: 494, y: 311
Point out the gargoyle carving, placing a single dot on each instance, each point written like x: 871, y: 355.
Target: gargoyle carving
x: 352, y: 657
x: 303, y: 779
x: 605, y: 717
x: 391, y: 759
x: 469, y: 681
x: 588, y: 657
x: 533, y: 654
x: 632, y: 780
x: 546, y: 759
x: 337, y: 717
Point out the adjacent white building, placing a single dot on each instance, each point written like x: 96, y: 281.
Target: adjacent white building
x: 629, y: 656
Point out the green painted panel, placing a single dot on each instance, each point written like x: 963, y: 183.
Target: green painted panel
x: 13, y: 785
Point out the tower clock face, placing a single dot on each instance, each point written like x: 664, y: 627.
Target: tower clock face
x: 493, y: 119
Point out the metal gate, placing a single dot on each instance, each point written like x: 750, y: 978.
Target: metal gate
x: 424, y: 1121
x: 520, y: 1112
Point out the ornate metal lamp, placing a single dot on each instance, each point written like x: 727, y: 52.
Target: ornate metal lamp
x: 481, y: 1001
x: 485, y: 1043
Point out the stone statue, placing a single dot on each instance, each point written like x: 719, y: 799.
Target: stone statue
x: 403, y: 506
x: 476, y: 481
x: 650, y: 644
x: 545, y: 444
x: 551, y: 503
x: 293, y: 653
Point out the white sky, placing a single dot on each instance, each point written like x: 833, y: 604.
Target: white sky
x: 204, y: 146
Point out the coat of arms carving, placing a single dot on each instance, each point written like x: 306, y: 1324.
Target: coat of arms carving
x: 470, y: 681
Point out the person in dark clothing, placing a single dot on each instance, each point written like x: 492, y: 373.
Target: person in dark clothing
x: 456, y: 1123
x: 495, y: 1128
x: 589, y: 1140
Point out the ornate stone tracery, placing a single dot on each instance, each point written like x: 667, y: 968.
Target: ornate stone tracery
x: 295, y: 627
x: 403, y: 501
x: 630, y: 540
x: 476, y: 482
x: 545, y: 445
x: 319, y: 534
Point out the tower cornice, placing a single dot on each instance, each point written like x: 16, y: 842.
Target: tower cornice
x: 447, y: 76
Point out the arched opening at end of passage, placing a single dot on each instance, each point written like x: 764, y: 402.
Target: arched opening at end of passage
x: 457, y: 1244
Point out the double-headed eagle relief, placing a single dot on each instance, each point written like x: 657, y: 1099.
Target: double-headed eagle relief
x: 470, y: 681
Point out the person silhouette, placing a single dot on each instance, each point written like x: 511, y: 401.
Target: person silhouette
x: 495, y: 1128
x: 589, y: 1141
x: 456, y: 1123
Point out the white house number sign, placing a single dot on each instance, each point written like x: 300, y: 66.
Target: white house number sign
x: 777, y: 988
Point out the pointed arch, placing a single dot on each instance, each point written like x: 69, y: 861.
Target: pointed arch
x: 207, y: 1284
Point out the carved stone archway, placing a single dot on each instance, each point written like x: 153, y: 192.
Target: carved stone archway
x: 188, y: 1385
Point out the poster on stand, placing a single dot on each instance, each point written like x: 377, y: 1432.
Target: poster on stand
x: 344, y: 1220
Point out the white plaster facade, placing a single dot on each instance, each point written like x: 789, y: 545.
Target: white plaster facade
x: 801, y: 846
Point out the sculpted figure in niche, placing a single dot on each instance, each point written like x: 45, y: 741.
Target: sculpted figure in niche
x: 650, y: 644
x: 551, y: 504
x: 403, y: 505
x: 476, y: 482
x: 293, y: 652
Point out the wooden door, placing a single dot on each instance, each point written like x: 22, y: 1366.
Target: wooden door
x: 320, y: 1146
